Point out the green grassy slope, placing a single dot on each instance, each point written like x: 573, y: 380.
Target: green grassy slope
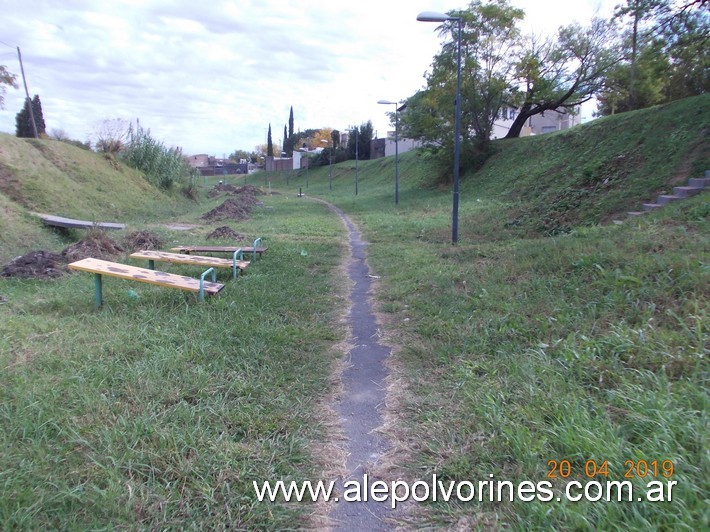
x: 56, y: 178
x: 548, y: 336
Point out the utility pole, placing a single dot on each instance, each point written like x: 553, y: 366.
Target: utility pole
x: 27, y: 92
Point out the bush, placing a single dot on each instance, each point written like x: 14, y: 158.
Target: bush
x: 164, y: 167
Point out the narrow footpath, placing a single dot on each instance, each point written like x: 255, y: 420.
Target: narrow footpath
x: 364, y: 395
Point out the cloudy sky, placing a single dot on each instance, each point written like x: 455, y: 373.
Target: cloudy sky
x: 210, y: 76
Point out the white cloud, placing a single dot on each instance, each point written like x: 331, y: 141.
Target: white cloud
x: 210, y: 77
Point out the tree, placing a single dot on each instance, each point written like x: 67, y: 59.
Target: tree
x: 269, y: 144
x: 564, y: 73
x: 23, y: 120
x: 238, y: 155
x: 7, y: 79
x: 363, y: 136
x: 289, y: 146
x: 489, y: 40
x: 335, y: 137
x: 500, y: 69
x: 666, y: 55
x: 110, y: 135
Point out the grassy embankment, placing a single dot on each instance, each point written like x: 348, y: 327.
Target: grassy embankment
x: 513, y: 348
x: 544, y: 336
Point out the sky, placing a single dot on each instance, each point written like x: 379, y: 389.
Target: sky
x: 210, y: 77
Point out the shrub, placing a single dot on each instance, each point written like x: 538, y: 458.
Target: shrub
x: 164, y: 167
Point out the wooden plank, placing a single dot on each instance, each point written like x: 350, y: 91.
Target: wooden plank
x: 217, y: 249
x: 70, y: 223
x: 144, y: 275
x: 196, y: 260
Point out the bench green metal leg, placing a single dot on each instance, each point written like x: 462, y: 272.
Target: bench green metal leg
x: 237, y: 254
x: 98, y: 290
x: 258, y: 240
x: 202, y: 282
x: 151, y: 264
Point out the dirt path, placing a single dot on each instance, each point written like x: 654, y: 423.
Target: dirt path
x: 363, y: 383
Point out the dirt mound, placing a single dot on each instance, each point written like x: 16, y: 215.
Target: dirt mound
x: 139, y: 240
x: 97, y: 244
x: 225, y: 233
x: 236, y: 208
x: 36, y: 265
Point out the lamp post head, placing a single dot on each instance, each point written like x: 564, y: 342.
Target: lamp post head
x: 386, y: 102
x: 433, y: 16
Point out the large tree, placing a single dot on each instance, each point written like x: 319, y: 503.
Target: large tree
x: 23, y: 119
x: 665, y: 54
x: 562, y: 73
x: 7, y: 79
x: 501, y: 69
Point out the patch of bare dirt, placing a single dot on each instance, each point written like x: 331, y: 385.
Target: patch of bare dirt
x: 96, y: 244
x: 139, y: 240
x: 225, y: 233
x: 36, y: 265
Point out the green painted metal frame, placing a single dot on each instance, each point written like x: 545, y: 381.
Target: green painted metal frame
x: 235, y: 271
x: 255, y: 242
x: 202, y: 282
x: 98, y: 290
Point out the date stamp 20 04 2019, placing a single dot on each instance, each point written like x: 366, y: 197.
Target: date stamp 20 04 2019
x: 592, y: 468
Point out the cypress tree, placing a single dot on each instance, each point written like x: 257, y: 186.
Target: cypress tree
x: 269, y: 144
x: 23, y: 119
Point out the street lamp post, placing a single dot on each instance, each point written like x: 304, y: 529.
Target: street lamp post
x: 396, y: 148
x: 330, y: 170
x: 430, y: 16
x: 355, y: 129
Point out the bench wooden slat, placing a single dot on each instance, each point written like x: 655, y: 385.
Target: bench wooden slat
x: 217, y: 249
x: 144, y: 275
x: 196, y: 260
x: 70, y: 223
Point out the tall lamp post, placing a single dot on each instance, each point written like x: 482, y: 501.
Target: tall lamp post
x: 356, y: 129
x: 396, y: 148
x: 430, y: 16
x: 330, y: 170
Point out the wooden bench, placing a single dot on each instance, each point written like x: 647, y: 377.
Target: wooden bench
x: 254, y: 249
x: 143, y: 275
x: 70, y: 223
x: 236, y: 262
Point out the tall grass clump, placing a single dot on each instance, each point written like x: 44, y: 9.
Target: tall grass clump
x: 164, y: 167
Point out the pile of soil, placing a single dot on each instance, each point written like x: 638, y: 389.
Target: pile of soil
x: 36, y: 265
x: 140, y: 240
x: 235, y: 208
x: 97, y: 244
x: 225, y: 233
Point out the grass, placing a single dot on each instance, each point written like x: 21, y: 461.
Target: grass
x: 158, y: 411
x: 546, y: 334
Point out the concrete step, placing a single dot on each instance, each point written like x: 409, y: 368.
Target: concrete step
x: 651, y: 206
x: 703, y: 182
x: 686, y: 192
x: 665, y: 199
x: 636, y: 213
